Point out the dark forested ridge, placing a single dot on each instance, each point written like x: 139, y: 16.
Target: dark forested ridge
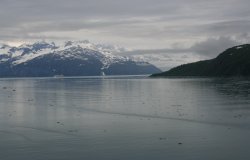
x: 234, y: 61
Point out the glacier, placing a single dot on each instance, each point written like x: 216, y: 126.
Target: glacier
x: 70, y: 58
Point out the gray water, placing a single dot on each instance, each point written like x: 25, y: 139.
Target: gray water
x: 124, y: 118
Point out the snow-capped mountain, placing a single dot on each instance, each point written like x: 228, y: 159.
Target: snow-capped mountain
x: 71, y: 58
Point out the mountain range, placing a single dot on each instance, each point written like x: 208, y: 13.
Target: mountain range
x: 233, y: 62
x: 71, y: 58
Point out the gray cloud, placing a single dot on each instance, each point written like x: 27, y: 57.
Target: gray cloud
x: 200, y: 28
x: 211, y: 47
x: 169, y: 57
x: 155, y: 51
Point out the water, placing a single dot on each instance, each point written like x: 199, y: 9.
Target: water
x: 123, y: 118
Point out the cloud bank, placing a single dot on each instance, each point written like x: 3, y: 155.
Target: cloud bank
x: 152, y: 28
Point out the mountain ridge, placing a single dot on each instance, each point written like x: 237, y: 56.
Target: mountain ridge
x: 71, y: 58
x: 234, y: 61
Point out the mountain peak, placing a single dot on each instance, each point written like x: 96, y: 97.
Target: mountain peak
x: 4, y: 46
x: 70, y: 58
x: 68, y: 43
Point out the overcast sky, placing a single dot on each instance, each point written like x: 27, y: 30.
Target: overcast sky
x: 166, y: 32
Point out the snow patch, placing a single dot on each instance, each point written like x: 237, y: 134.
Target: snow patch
x: 27, y: 57
x: 70, y: 49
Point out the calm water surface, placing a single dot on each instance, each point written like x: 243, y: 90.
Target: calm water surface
x: 124, y: 118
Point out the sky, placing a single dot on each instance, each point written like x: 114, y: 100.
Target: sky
x: 163, y: 32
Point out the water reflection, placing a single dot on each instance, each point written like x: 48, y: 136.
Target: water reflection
x: 123, y: 117
x: 211, y: 100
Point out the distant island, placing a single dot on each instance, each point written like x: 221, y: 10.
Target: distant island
x: 71, y: 58
x: 234, y: 61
